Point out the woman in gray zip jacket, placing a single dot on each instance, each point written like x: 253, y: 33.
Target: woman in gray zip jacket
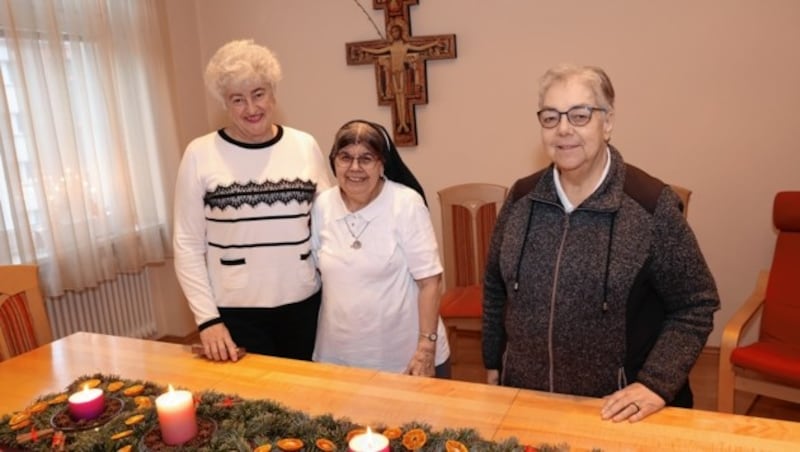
x: 595, y: 284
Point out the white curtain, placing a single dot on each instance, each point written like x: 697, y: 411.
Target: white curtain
x: 87, y: 133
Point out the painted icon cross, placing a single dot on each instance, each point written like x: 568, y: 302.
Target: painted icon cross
x: 400, y: 65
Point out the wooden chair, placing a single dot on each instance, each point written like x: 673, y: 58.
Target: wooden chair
x: 771, y: 365
x: 684, y: 193
x: 469, y: 212
x: 23, y: 318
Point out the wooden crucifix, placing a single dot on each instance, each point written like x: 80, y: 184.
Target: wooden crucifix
x: 400, y: 65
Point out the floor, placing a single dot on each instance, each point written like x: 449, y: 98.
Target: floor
x: 468, y: 366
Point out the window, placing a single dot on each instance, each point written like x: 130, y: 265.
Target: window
x: 84, y: 139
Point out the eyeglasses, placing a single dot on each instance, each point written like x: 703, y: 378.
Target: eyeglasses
x: 365, y: 161
x: 579, y: 115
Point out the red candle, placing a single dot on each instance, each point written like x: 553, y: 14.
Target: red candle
x: 86, y: 404
x: 369, y: 442
x: 176, y: 416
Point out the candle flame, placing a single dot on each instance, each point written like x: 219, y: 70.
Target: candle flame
x: 370, y: 440
x: 171, y: 389
x: 85, y: 387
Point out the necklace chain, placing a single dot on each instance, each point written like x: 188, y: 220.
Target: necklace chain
x: 356, y: 242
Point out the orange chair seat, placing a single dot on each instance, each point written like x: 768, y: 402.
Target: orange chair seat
x: 777, y: 360
x: 462, y: 302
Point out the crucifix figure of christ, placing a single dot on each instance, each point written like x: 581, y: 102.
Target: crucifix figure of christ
x: 400, y: 65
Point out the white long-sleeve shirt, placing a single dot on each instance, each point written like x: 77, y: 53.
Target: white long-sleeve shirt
x: 242, y: 213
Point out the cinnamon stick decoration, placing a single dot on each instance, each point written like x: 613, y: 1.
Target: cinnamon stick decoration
x: 33, y: 435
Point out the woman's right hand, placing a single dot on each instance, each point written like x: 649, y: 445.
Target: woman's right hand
x: 218, y: 344
x: 493, y: 377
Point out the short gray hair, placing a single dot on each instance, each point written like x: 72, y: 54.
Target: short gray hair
x: 593, y: 76
x: 241, y: 60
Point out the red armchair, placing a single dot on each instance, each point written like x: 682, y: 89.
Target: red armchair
x: 771, y: 365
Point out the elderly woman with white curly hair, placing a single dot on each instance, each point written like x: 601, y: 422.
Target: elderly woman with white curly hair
x: 242, y: 210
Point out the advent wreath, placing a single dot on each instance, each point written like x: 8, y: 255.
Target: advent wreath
x: 225, y: 423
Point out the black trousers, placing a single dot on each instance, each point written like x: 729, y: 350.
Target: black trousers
x: 444, y: 369
x: 286, y: 331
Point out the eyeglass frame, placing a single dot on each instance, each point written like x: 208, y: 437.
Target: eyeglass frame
x: 366, y: 161
x: 590, y: 108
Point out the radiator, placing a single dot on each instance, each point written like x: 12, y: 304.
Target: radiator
x: 122, y: 308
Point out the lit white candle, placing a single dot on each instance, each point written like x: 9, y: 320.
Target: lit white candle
x: 369, y: 442
x: 87, y: 404
x: 176, y: 416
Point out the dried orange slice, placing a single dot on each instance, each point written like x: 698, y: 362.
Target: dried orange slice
x: 17, y: 418
x: 134, y: 390
x: 452, y: 445
x: 91, y: 383
x: 142, y: 402
x: 122, y: 434
x: 263, y: 448
x: 392, y: 433
x: 135, y: 419
x: 414, y: 439
x: 21, y: 424
x: 354, y: 432
x: 115, y: 386
x: 61, y: 398
x: 38, y: 407
x: 290, y: 444
x: 127, y: 448
x: 325, y: 445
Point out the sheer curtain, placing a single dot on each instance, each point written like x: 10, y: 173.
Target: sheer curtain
x: 86, y: 130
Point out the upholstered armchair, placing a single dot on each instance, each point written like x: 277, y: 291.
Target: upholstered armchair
x: 771, y: 365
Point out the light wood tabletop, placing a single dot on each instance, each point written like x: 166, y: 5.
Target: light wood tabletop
x: 372, y: 397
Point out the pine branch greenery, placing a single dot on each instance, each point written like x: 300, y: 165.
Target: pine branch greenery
x: 240, y: 424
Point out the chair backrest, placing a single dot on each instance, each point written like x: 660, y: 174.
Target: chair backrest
x: 23, y: 318
x: 469, y: 212
x: 781, y: 316
x: 683, y: 193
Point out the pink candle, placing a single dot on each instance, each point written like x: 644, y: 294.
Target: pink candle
x: 87, y: 404
x: 176, y: 416
x: 369, y: 442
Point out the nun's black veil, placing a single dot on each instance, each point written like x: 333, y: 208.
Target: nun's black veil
x: 393, y: 168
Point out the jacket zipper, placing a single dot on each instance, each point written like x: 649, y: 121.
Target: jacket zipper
x: 553, y: 304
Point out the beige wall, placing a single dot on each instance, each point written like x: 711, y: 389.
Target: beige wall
x: 708, y: 94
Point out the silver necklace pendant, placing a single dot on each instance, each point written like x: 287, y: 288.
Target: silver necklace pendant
x: 356, y: 245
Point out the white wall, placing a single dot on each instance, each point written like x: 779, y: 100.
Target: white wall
x: 707, y: 95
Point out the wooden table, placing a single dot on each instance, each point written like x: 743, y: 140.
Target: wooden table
x: 372, y: 397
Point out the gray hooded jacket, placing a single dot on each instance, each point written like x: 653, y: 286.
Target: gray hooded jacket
x: 586, y: 302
